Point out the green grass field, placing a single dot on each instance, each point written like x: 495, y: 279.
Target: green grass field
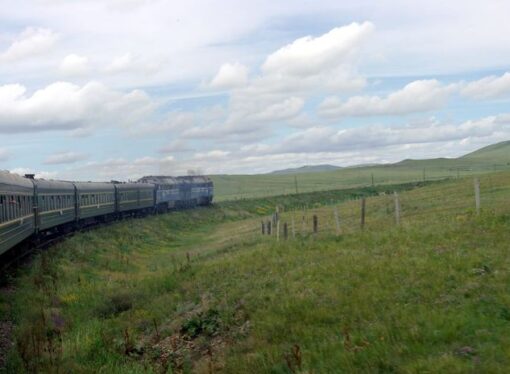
x: 486, y: 160
x: 203, y: 291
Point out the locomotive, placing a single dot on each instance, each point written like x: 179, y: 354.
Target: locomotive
x: 34, y: 208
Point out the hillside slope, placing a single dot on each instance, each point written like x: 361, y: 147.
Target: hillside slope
x: 497, y: 153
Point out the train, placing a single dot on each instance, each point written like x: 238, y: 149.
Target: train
x: 32, y: 209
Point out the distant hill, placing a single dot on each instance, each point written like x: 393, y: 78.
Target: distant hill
x: 499, y: 152
x: 307, y: 169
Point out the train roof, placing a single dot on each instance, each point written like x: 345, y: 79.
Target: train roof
x: 11, y: 181
x: 128, y: 186
x: 52, y: 186
x: 94, y: 186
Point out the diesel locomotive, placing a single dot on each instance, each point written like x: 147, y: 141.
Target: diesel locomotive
x: 31, y: 209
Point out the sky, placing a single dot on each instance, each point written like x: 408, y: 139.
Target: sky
x: 118, y: 89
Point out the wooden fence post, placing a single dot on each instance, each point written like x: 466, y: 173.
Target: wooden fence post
x: 263, y: 226
x: 277, y: 231
x: 397, y: 208
x: 268, y: 227
x: 363, y: 211
x: 285, y: 231
x: 337, y: 222
x: 303, y: 223
x: 315, y: 224
x: 477, y: 195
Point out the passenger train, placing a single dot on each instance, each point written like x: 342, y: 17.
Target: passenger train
x: 31, y: 209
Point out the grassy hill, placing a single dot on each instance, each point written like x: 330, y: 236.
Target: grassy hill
x: 499, y: 153
x: 485, y: 160
x: 203, y: 291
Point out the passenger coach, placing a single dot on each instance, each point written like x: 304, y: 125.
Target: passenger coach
x: 34, y: 208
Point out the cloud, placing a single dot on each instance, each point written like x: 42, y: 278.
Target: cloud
x: 327, y: 139
x: 491, y: 87
x: 129, y: 63
x: 417, y: 96
x: 65, y: 158
x: 311, y: 56
x: 74, y: 65
x: 66, y: 106
x: 230, y: 76
x: 31, y: 42
x: 306, y: 67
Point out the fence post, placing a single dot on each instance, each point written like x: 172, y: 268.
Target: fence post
x: 263, y: 226
x: 285, y: 231
x: 363, y: 211
x: 277, y: 231
x: 397, y: 208
x: 315, y: 224
x: 303, y: 223
x: 337, y: 221
x: 477, y: 195
x: 269, y: 227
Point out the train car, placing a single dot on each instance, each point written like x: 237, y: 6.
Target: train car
x: 17, y: 220
x: 201, y: 189
x: 132, y: 197
x: 55, y: 204
x: 166, y: 190
x: 181, y: 192
x: 94, y: 200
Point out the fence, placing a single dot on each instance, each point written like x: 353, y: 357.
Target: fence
x: 449, y: 200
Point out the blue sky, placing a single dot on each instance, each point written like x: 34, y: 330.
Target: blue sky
x: 117, y: 89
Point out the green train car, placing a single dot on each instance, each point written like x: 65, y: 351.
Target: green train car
x: 94, y: 199
x: 55, y: 203
x: 17, y: 219
x: 34, y: 208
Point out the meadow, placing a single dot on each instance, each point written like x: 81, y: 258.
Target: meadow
x: 204, y: 291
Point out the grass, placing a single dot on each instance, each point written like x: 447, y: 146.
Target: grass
x: 203, y: 291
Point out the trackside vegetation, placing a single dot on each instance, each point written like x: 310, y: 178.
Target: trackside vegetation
x: 202, y: 291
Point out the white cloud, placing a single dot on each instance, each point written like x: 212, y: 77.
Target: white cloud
x: 230, y: 76
x: 311, y: 56
x: 327, y: 139
x: 74, y: 65
x: 303, y: 68
x: 66, y: 106
x: 65, y: 158
x: 31, y: 42
x: 488, y: 88
x: 129, y: 63
x: 417, y: 96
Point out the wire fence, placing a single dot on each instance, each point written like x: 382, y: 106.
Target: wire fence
x: 442, y: 202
